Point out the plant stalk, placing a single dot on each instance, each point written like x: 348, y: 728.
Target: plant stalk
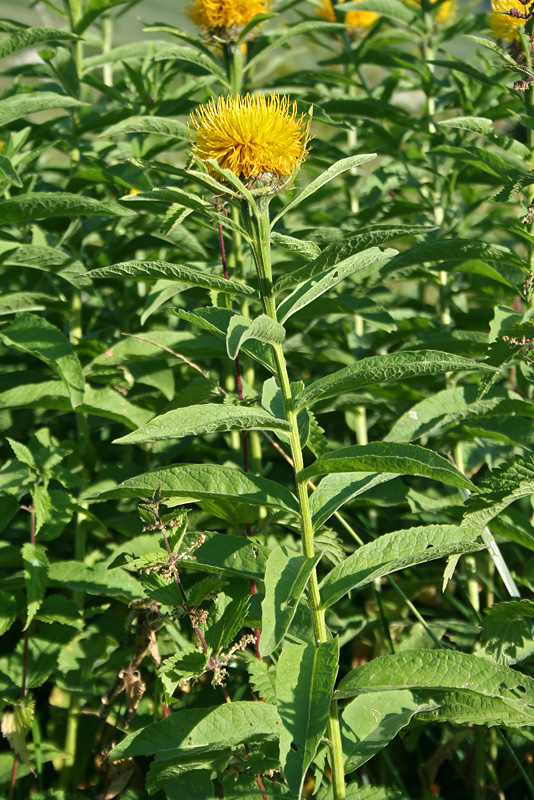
x: 262, y: 253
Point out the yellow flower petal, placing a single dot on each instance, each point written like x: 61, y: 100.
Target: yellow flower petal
x: 504, y: 26
x: 251, y: 136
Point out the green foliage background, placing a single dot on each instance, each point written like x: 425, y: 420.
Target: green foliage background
x: 139, y: 561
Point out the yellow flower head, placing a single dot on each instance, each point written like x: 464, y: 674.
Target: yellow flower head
x: 504, y: 26
x: 215, y: 14
x: 445, y: 10
x: 252, y: 136
x: 355, y: 19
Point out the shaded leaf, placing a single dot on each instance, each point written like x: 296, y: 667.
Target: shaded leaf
x: 286, y: 577
x: 305, y: 678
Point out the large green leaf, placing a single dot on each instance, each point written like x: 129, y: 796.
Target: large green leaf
x: 98, y: 580
x: 105, y: 402
x: 325, y: 177
x: 452, y: 405
x: 456, y: 249
x: 394, y: 551
x: 401, y: 459
x: 313, y: 288
x: 286, y: 577
x: 34, y: 335
x: 388, y: 368
x: 207, y: 418
x: 196, y: 731
x: 305, y: 678
x: 340, y: 250
x: 29, y: 36
x: 218, y: 553
x: 143, y: 270
x: 210, y: 481
x: 450, y: 670
x: 20, y: 105
x: 160, y: 125
x: 43, y: 205
x: 371, y: 721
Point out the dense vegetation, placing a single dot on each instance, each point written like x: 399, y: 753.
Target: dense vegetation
x: 266, y: 403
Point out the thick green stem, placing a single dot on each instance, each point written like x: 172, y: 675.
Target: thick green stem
x: 360, y: 412
x: 107, y: 44
x: 263, y: 260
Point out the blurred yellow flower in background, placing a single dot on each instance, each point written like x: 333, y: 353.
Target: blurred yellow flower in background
x: 504, y: 26
x: 252, y: 136
x: 356, y: 19
x: 213, y: 14
x: 364, y: 19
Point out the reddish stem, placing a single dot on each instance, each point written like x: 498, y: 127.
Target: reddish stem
x: 13, y: 778
x: 244, y: 434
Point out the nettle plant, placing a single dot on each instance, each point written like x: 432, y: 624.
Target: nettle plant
x: 310, y: 410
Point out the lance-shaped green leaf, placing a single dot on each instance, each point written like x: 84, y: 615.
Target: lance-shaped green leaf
x: 464, y: 708
x: 141, y: 270
x: 448, y: 670
x: 456, y: 250
x: 8, y: 172
x: 137, y: 51
x: 336, y: 169
x: 44, y: 205
x: 286, y: 577
x: 194, y: 731
x: 305, y: 678
x: 262, y: 328
x: 192, y: 56
x: 388, y: 368
x: 34, y: 335
x: 480, y: 125
x: 402, y: 459
x: 28, y: 36
x: 394, y: 551
x: 370, y: 108
x: 160, y: 125
x: 337, y: 489
x: 371, y: 721
x: 302, y: 246
x: 340, y: 250
x: 313, y: 288
x: 207, y: 418
x: 35, y: 577
x: 205, y: 481
x: 19, y: 105
x: 451, y: 405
